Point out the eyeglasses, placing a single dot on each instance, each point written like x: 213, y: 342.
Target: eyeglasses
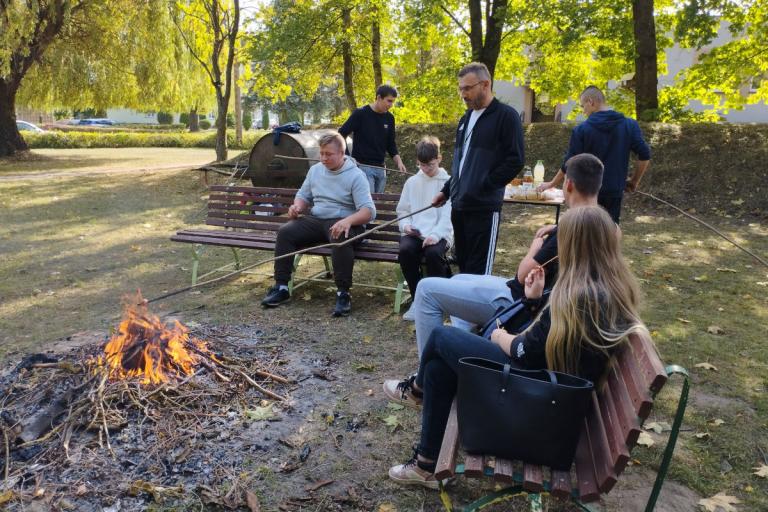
x: 467, y: 88
x: 428, y: 165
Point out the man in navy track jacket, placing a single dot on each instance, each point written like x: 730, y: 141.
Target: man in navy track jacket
x: 488, y: 154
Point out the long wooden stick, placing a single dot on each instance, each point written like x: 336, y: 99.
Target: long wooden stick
x: 294, y: 253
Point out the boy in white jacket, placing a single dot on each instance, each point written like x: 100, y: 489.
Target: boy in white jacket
x: 428, y: 234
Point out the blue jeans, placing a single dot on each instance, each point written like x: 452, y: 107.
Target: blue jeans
x: 377, y: 178
x: 438, y: 379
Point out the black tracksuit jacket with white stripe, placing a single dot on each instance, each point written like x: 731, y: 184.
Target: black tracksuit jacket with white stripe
x: 495, y: 156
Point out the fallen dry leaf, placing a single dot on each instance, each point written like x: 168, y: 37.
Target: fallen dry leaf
x: 719, y: 269
x: 719, y: 500
x: 702, y: 435
x: 367, y: 339
x: 714, y: 329
x: 253, y: 501
x: 705, y: 366
x: 701, y: 279
x: 307, y: 296
x: 657, y: 426
x: 761, y: 471
x: 717, y: 422
x: 683, y: 320
x: 387, y: 507
x: 369, y: 392
x: 645, y: 439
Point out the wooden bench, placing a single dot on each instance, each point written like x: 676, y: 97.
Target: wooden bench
x: 249, y: 218
x: 610, y: 431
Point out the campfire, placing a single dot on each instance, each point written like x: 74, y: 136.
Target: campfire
x: 146, y: 347
x: 152, y: 384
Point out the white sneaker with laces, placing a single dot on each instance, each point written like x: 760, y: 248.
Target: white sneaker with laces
x: 409, y: 316
x: 411, y: 474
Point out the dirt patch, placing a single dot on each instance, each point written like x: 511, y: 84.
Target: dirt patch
x: 632, y: 491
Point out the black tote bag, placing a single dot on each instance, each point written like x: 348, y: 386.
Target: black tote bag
x: 531, y: 415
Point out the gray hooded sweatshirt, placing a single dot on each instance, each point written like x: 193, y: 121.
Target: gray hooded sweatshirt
x: 336, y: 194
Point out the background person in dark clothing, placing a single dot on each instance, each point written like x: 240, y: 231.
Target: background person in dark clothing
x: 488, y: 154
x: 609, y: 136
x: 374, y: 136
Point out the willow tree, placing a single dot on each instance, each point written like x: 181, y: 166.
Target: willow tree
x: 91, y: 53
x: 210, y: 30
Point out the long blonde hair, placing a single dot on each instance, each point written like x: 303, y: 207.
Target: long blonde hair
x: 595, y: 302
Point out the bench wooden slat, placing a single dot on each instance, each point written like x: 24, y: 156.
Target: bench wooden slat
x: 533, y: 478
x: 585, y: 470
x: 473, y: 465
x: 446, y: 462
x: 269, y: 237
x: 504, y: 471
x: 220, y: 200
x: 560, y: 484
x: 616, y: 440
x: 289, y: 192
x: 630, y: 426
x: 251, y: 207
x: 647, y: 359
x: 641, y: 399
x: 601, y: 453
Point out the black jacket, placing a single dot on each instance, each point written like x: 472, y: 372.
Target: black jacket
x: 495, y: 156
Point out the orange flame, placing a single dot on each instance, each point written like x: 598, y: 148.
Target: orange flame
x: 145, y: 347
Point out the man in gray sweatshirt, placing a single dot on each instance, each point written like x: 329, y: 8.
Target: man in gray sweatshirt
x: 333, y: 204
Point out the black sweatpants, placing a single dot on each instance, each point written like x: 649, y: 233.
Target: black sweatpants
x: 410, y: 256
x: 307, y: 231
x: 474, y: 239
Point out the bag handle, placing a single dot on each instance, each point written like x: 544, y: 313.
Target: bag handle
x: 504, y: 385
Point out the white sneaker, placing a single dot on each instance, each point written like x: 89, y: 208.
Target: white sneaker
x: 409, y: 316
x: 411, y: 474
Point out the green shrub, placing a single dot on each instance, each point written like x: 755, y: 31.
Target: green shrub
x: 164, y: 118
x: 247, y: 120
x: 230, y: 120
x: 76, y: 140
x: 184, y: 118
x: 204, y: 124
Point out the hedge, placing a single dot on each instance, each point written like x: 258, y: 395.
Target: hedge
x: 73, y: 140
x: 704, y: 167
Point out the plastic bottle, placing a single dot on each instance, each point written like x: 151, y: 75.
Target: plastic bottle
x: 538, y: 173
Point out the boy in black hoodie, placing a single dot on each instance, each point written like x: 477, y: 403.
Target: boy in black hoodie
x: 609, y: 136
x: 488, y: 154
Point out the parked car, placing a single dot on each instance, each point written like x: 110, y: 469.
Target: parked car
x: 96, y: 122
x: 24, y: 126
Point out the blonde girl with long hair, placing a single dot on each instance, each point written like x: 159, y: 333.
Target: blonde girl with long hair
x: 593, y: 308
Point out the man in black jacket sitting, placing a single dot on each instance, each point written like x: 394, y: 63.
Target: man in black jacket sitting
x: 488, y: 154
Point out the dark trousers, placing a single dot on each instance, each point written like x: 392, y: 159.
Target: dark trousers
x: 437, y: 377
x: 410, y: 255
x: 475, y: 235
x: 612, y: 206
x: 307, y: 231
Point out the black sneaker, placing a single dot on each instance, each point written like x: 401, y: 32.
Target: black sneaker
x: 343, y: 304
x: 275, y: 296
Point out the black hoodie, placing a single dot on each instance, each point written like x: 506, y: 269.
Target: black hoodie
x: 495, y: 156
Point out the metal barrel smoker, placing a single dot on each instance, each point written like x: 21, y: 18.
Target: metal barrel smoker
x: 266, y: 169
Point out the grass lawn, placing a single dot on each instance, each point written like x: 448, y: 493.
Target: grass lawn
x: 71, y: 246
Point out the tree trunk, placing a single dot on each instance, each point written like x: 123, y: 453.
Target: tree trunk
x: 376, y: 52
x: 221, y: 127
x: 194, y: 120
x: 10, y: 138
x: 238, y: 106
x: 486, y: 47
x: 346, y: 52
x: 646, y: 70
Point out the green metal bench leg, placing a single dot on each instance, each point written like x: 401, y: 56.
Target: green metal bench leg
x: 399, y: 289
x: 236, y: 254
x: 667, y: 457
x: 197, y: 251
x: 535, y: 500
x: 328, y: 268
x: 296, y: 260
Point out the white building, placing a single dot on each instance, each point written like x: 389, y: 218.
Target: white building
x: 522, y: 98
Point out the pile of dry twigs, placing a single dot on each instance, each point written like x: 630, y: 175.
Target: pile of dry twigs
x: 78, y: 439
